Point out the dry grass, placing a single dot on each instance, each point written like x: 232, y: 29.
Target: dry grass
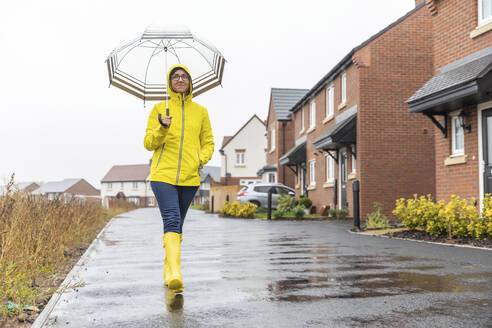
x: 37, y: 239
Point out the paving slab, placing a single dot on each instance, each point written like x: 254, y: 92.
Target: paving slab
x: 257, y: 273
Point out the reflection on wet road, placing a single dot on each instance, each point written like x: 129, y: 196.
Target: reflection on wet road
x: 253, y: 273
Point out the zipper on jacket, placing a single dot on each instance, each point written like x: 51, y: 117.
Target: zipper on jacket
x: 162, y: 149
x: 182, y: 135
x: 199, y: 160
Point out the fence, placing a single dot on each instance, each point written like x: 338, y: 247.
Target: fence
x: 220, y: 193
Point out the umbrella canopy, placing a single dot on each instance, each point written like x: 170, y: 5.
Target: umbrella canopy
x: 140, y: 66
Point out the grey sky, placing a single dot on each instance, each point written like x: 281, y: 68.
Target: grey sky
x: 60, y: 120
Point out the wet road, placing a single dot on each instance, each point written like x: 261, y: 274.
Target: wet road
x: 254, y: 273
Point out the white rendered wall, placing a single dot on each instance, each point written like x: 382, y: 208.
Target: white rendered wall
x: 252, y: 138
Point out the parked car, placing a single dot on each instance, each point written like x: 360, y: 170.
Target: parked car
x: 258, y: 193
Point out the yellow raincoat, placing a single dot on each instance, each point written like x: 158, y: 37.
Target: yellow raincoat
x: 183, y: 148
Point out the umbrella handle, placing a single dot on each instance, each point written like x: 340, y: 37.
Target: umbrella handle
x: 160, y: 117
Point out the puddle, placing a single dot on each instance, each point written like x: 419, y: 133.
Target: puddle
x: 375, y: 285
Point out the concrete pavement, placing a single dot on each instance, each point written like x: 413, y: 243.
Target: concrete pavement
x: 255, y: 273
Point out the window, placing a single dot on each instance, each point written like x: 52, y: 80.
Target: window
x: 240, y: 158
x: 298, y: 168
x: 344, y: 87
x: 330, y: 170
x: 484, y: 11
x: 272, y: 139
x: 135, y: 185
x: 354, y: 160
x: 302, y: 119
x: 329, y: 101
x: 122, y: 185
x: 312, y: 172
x: 312, y: 114
x: 271, y: 177
x: 458, y: 137
x: 109, y: 186
x: 151, y: 201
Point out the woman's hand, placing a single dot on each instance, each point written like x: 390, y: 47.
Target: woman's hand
x: 165, y: 121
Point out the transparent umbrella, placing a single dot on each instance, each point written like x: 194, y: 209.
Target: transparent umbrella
x: 140, y: 66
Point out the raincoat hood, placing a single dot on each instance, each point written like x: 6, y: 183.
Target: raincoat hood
x: 174, y: 95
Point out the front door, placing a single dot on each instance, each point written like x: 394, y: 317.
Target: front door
x: 343, y: 179
x: 487, y: 149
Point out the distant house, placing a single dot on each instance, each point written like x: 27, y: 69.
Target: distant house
x: 130, y: 182
x: 280, y: 135
x: 22, y: 186
x: 67, y: 189
x: 243, y: 153
x: 207, y: 173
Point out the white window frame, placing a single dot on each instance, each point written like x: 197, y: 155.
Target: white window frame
x: 481, y: 20
x: 330, y: 101
x: 122, y: 186
x: 344, y: 87
x: 135, y: 185
x: 302, y: 119
x: 330, y: 169
x: 151, y: 201
x: 312, y: 114
x: 312, y: 172
x: 272, y: 139
x: 270, y: 174
x: 240, y: 158
x: 109, y: 186
x: 454, y: 151
x: 354, y: 159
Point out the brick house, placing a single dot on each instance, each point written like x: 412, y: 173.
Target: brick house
x: 458, y: 97
x: 242, y: 154
x: 67, y: 189
x: 280, y: 135
x: 130, y: 182
x: 208, y: 174
x: 354, y: 123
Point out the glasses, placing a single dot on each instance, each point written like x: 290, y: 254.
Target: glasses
x: 176, y: 77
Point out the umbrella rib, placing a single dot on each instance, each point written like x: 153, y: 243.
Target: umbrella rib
x: 118, y: 63
x: 148, y: 63
x: 199, y: 53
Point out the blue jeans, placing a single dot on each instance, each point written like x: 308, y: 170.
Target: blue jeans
x: 174, y: 202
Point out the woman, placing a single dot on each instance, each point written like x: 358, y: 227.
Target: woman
x: 182, y: 141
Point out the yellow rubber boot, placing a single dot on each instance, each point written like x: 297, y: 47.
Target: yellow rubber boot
x: 173, y: 257
x: 167, y: 272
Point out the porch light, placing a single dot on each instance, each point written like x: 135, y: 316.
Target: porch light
x: 463, y: 122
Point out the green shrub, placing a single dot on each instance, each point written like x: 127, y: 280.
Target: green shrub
x: 304, y: 201
x: 343, y: 213
x: 298, y: 211
x: 278, y: 214
x: 285, y: 203
x: 376, y: 219
x: 338, y: 213
x: 458, y: 218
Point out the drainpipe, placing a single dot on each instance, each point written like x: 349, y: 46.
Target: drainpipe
x: 283, y: 149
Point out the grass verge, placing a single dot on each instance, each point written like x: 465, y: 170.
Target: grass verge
x: 40, y: 241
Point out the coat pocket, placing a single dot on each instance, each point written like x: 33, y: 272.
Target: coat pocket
x: 199, y: 160
x: 160, y: 155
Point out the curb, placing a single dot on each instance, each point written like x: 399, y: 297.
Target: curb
x: 44, y: 315
x: 423, y: 241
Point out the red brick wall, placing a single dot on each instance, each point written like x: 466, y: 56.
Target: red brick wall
x: 395, y: 149
x: 324, y: 195
x: 452, y: 24
x: 459, y: 179
x: 273, y: 157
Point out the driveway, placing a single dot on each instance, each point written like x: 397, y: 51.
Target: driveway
x: 256, y: 273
